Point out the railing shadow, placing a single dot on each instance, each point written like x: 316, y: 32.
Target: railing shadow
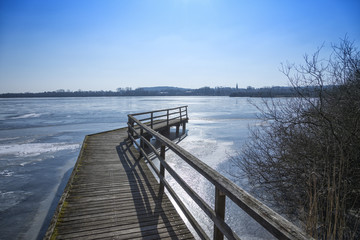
x: 147, y: 196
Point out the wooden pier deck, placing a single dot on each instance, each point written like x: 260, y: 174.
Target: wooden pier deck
x: 111, y: 194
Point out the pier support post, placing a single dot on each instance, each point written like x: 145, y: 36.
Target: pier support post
x: 162, y: 169
x: 184, y: 127
x: 177, y: 130
x: 220, y: 212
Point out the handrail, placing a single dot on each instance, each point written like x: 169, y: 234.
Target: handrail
x: 162, y: 110
x: 175, y: 113
x: 269, y: 219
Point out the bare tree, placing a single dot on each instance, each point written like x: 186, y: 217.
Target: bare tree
x: 307, y: 155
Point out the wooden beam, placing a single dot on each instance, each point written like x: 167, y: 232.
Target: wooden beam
x: 220, y: 212
x: 162, y: 168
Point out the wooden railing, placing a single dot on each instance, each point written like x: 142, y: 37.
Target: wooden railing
x: 158, y: 119
x: 224, y: 188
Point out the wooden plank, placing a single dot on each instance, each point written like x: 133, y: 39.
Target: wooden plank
x: 100, y: 220
x: 139, y: 209
x: 122, y: 229
x: 113, y: 194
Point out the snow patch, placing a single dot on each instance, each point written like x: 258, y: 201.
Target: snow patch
x: 28, y: 115
x: 11, y: 199
x: 35, y: 149
x: 6, y: 173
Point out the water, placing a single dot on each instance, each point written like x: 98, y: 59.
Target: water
x: 40, y: 140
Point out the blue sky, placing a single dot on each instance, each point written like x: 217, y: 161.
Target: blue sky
x: 47, y: 45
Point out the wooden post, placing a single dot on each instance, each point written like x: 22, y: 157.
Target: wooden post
x: 162, y: 169
x: 184, y: 127
x: 152, y: 120
x: 167, y: 120
x: 141, y: 141
x: 130, y: 131
x: 180, y: 114
x: 220, y: 212
x: 177, y: 129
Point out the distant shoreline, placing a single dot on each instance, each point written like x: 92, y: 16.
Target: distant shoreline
x: 164, y: 91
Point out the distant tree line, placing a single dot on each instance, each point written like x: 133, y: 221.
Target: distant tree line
x: 164, y: 91
x: 274, y: 92
x: 264, y: 92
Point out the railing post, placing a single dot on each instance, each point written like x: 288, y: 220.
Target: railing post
x: 180, y: 114
x: 167, y: 118
x: 152, y: 120
x: 167, y: 121
x: 220, y: 212
x: 162, y: 168
x: 130, y: 131
x: 141, y: 141
x: 128, y: 127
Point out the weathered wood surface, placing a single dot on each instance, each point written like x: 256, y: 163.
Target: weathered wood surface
x: 113, y: 195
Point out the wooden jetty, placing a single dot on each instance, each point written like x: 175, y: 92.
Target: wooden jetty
x: 112, y: 194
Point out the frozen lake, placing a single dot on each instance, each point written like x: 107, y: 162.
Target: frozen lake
x: 40, y: 139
